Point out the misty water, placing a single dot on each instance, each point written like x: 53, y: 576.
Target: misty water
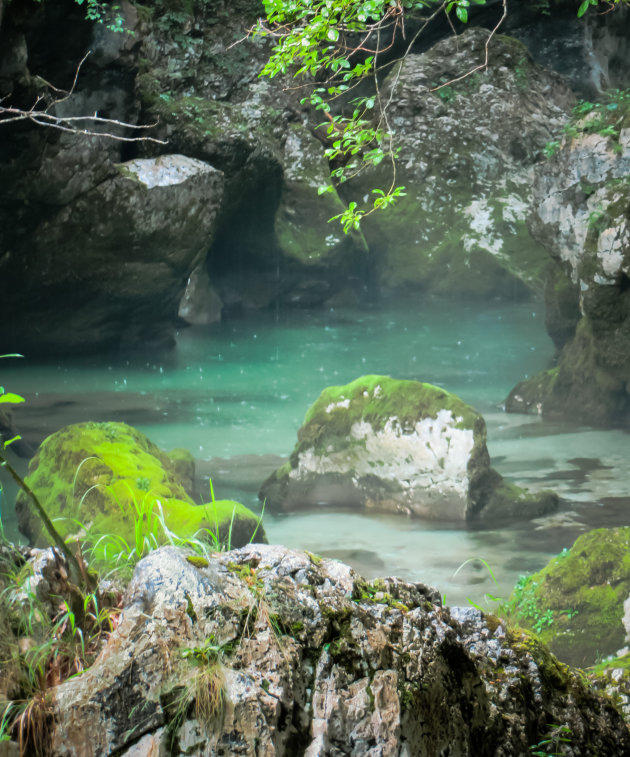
x: 236, y: 393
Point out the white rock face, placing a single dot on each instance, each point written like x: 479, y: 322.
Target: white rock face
x: 428, y: 463
x: 573, y: 196
x: 351, y: 668
x: 166, y: 170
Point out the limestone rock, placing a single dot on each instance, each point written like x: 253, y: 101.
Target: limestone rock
x: 311, y: 659
x: 200, y: 304
x: 576, y: 602
x: 401, y: 446
x: 146, y: 228
x: 582, y: 201
x: 105, y: 477
x: 467, y: 155
x: 302, y: 220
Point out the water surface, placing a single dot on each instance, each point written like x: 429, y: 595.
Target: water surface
x: 235, y: 394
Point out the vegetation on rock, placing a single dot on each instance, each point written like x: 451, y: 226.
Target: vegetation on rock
x: 405, y: 446
x: 109, y: 482
x: 575, y: 603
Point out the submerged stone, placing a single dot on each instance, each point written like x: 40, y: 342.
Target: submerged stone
x: 106, y: 478
x: 400, y: 446
x: 576, y: 602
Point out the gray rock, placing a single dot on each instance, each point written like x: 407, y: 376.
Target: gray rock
x: 399, y: 446
x: 467, y: 156
x: 310, y: 659
x: 582, y: 198
x: 146, y: 228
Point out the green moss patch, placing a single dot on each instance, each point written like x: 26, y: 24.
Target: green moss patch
x: 108, y: 477
x: 575, y: 603
x: 375, y: 400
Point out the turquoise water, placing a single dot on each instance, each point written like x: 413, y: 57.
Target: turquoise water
x: 235, y: 394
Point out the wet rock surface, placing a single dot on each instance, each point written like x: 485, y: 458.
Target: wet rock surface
x: 310, y: 659
x: 400, y: 446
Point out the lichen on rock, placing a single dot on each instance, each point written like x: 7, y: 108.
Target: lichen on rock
x: 582, y: 200
x: 104, y: 477
x: 468, y: 146
x: 395, y: 445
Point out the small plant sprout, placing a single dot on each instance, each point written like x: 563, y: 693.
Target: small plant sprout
x: 491, y: 597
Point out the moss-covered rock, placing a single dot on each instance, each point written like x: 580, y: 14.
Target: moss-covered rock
x: 106, y: 476
x: 579, y: 387
x: 468, y: 146
x: 612, y: 677
x: 184, y: 464
x: 575, y: 603
x: 302, y: 223
x: 402, y: 446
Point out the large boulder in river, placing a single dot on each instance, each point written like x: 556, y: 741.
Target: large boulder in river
x: 401, y: 446
x: 109, y: 479
x: 576, y: 602
x: 469, y: 136
x: 582, y: 198
x: 108, y: 266
x: 265, y: 650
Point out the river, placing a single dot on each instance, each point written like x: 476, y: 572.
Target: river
x: 235, y: 394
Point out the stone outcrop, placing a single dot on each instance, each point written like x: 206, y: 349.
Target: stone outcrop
x: 399, y: 446
x: 576, y: 602
x: 146, y: 226
x: 582, y: 204
x: 468, y: 146
x: 106, y: 478
x: 270, y: 651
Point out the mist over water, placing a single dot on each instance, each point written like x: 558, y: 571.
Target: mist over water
x: 236, y: 393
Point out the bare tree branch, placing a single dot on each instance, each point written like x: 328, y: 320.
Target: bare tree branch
x: 42, y: 116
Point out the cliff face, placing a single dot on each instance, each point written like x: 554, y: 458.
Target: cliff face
x: 582, y: 216
x: 91, y: 259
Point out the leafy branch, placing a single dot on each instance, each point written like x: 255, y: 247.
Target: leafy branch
x: 339, y: 44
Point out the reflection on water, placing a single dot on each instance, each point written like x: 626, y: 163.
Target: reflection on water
x: 236, y: 393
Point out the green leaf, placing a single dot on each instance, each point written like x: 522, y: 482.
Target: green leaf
x: 583, y: 8
x: 462, y: 14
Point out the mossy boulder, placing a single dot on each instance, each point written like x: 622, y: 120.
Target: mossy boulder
x: 468, y: 146
x: 612, y: 677
x: 103, y: 476
x: 581, y: 387
x: 400, y: 446
x: 575, y: 603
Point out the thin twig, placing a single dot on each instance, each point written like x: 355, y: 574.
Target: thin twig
x: 42, y: 117
x: 483, y: 65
